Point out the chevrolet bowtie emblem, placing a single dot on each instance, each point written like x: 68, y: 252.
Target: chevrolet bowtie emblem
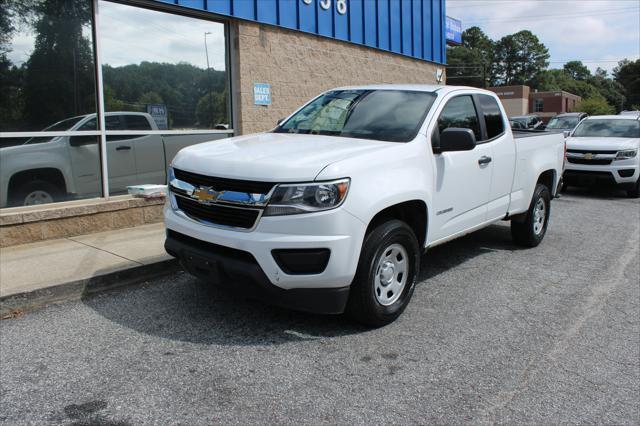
x: 205, y: 194
x: 588, y: 156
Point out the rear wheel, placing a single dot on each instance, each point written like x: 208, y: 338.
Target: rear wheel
x: 529, y: 229
x: 386, y: 274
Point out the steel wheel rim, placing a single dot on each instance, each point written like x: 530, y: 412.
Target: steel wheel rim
x: 539, y: 216
x: 37, y: 197
x: 391, y: 274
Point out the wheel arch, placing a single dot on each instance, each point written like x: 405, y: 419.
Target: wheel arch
x: 48, y: 174
x: 413, y: 212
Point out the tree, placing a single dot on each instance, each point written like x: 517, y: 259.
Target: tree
x: 577, y: 70
x: 59, y: 76
x: 519, y: 57
x: 596, y: 105
x: 212, y: 110
x: 470, y: 64
x: 627, y: 74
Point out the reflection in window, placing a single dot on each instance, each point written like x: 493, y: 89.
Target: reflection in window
x: 171, y: 67
x: 49, y: 169
x: 46, y: 63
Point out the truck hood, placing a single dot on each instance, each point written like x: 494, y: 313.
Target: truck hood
x: 603, y: 144
x: 272, y: 157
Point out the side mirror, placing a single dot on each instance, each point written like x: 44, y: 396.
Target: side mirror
x: 457, y: 139
x: 566, y: 133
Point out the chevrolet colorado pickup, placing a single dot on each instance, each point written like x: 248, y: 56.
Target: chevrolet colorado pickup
x: 331, y: 211
x: 47, y: 169
x: 605, y: 148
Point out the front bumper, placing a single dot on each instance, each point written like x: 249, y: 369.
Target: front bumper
x: 239, y: 272
x: 622, y: 173
x: 336, y: 230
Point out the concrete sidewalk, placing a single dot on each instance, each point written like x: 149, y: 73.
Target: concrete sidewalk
x: 36, y: 274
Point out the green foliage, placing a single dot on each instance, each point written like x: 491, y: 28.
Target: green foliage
x: 58, y: 77
x: 150, y: 98
x: 470, y: 63
x: 596, y: 105
x: 211, y: 110
x: 179, y: 86
x: 577, y: 70
x: 627, y: 74
x: 519, y: 57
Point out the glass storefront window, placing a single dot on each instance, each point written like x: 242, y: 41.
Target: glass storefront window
x: 172, y: 67
x: 47, y: 71
x: 165, y: 80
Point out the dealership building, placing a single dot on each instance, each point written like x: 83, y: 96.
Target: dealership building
x: 99, y: 95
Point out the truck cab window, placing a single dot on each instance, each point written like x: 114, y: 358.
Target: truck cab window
x: 460, y: 112
x: 137, y: 122
x: 492, y: 116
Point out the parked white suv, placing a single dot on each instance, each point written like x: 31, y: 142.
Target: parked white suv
x: 332, y: 210
x: 605, y: 148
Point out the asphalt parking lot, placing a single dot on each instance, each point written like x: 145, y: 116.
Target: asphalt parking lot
x: 494, y: 334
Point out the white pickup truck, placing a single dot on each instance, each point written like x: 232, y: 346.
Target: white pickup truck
x: 604, y: 148
x: 332, y: 210
x: 47, y: 169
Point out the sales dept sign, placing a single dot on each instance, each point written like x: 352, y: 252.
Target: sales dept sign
x: 261, y: 94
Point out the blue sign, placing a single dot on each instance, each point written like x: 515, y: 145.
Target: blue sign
x: 454, y: 30
x: 261, y: 94
x: 414, y: 28
x: 159, y: 114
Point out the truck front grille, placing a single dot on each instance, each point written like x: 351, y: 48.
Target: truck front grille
x: 224, y: 184
x: 218, y: 214
x: 594, y: 162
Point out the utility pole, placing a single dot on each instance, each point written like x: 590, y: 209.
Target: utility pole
x: 206, y: 52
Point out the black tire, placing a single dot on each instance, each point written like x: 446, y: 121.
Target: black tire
x: 523, y: 229
x: 634, y: 192
x: 19, y: 196
x: 363, y: 305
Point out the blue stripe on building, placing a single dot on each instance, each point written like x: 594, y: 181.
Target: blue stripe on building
x: 413, y: 28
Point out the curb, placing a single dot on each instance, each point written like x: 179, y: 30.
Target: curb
x: 15, y: 304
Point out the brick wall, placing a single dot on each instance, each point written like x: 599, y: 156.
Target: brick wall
x: 299, y: 66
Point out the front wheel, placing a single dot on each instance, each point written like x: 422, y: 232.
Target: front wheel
x: 529, y: 229
x: 386, y: 274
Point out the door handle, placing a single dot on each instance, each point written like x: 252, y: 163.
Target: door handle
x: 484, y: 160
x: 123, y: 148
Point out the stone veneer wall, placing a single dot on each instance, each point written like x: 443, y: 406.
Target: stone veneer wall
x: 300, y: 66
x: 27, y: 225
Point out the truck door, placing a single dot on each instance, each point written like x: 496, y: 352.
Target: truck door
x: 84, y: 153
x: 463, y: 178
x: 504, y: 156
x: 149, y: 151
x: 121, y: 159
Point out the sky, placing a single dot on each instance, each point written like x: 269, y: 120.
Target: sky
x: 598, y: 32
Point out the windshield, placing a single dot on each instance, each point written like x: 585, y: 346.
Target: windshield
x: 562, y: 123
x: 385, y: 115
x: 63, y: 125
x: 608, y: 129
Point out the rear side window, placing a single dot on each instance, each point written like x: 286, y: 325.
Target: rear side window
x: 137, y: 122
x: 492, y: 116
x: 460, y: 112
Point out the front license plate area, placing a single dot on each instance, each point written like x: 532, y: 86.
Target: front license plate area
x: 202, y: 267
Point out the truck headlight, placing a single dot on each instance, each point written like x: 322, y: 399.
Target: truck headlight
x: 626, y: 154
x: 307, y: 197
